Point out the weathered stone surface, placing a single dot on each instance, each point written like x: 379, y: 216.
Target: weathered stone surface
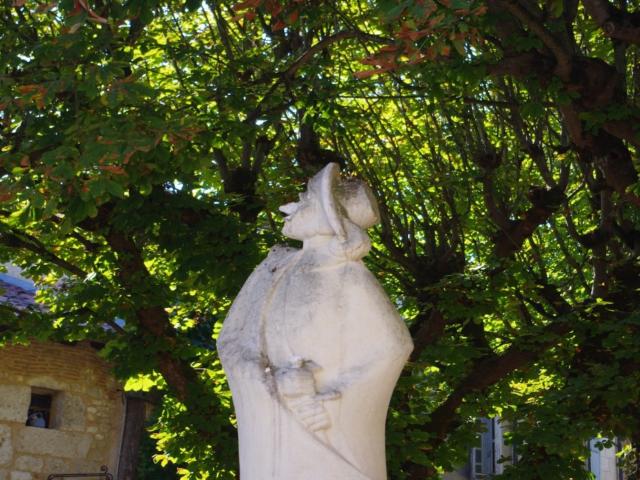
x: 87, y: 465
x: 56, y: 465
x: 56, y: 443
x: 14, y: 403
x: 71, y: 412
x: 29, y: 463
x: 312, y: 346
x: 6, y: 447
x: 15, y: 475
x: 80, y: 379
x: 4, y: 475
x: 49, y: 382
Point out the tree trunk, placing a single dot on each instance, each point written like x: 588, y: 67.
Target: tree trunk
x: 133, y: 429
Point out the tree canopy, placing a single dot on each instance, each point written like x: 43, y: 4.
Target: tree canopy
x: 144, y: 146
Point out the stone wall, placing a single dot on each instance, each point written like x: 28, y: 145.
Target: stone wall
x: 86, y: 415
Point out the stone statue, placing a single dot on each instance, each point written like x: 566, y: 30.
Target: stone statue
x: 313, y: 347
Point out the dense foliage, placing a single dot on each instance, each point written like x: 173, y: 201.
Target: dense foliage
x: 145, y: 144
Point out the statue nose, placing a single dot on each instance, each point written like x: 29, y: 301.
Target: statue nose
x: 289, y: 208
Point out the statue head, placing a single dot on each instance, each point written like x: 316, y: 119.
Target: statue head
x: 331, y: 206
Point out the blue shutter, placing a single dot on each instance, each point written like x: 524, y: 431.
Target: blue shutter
x: 487, y: 447
x: 483, y: 456
x: 594, y: 459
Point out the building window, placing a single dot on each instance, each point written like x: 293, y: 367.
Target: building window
x: 483, y: 454
x: 477, y: 469
x: 40, y: 413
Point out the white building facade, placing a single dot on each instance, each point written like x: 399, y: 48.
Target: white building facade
x: 491, y: 455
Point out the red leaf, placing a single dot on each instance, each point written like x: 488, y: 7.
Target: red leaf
x: 365, y: 73
x: 373, y: 60
x: 278, y: 26
x: 417, y: 35
x: 293, y: 16
x: 23, y: 89
x: 93, y: 16
x: 115, y: 169
x: 276, y: 10
x: 388, y: 48
x: 436, y: 20
x: 481, y: 10
x: 430, y: 54
x: 77, y: 9
x: 379, y: 59
x: 37, y: 93
x: 128, y: 156
x: 246, y: 4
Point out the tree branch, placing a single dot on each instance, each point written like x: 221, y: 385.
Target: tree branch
x: 153, y: 318
x: 427, y: 329
x: 563, y: 58
x: 324, y: 43
x: 614, y: 22
x: 10, y: 238
x: 545, y: 203
x: 486, y: 373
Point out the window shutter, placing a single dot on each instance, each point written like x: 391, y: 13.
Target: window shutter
x: 483, y: 455
x: 498, y: 444
x: 594, y: 460
x: 487, y: 446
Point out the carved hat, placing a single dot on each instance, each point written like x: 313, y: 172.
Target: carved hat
x: 344, y: 197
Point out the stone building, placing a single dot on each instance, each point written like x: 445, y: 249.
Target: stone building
x: 61, y: 410
x: 66, y: 390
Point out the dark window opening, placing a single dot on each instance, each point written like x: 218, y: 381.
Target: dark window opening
x: 40, y: 410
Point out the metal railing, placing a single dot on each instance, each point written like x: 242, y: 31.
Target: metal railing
x: 104, y: 473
